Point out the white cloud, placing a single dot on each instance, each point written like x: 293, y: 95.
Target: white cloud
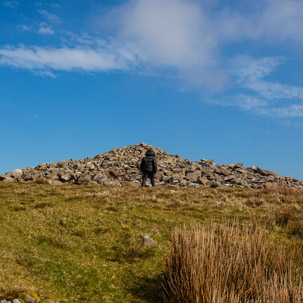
x: 180, y: 35
x: 11, y: 4
x: 283, y: 19
x: 291, y: 111
x: 171, y: 34
x: 251, y: 76
x: 49, y: 16
x: 45, y: 29
x: 252, y: 90
x: 187, y: 39
x: 272, y: 21
x: 66, y: 59
x: 45, y: 73
x: 188, y: 36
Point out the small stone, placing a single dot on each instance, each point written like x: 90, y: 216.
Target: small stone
x: 29, y: 299
x: 206, y: 162
x: 148, y: 242
x: 16, y: 301
x: 229, y: 178
x: 65, y: 178
x: 232, y: 165
x: 54, y: 182
x: 18, y: 171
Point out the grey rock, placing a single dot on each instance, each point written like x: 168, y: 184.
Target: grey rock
x: 29, y: 299
x: 100, y: 178
x: 229, y: 178
x: 148, y: 242
x: 65, y: 178
x: 55, y: 182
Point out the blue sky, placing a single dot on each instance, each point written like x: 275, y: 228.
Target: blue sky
x: 204, y: 79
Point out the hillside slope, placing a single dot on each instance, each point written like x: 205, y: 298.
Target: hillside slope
x: 84, y: 243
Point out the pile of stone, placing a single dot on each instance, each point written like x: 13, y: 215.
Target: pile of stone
x: 120, y: 167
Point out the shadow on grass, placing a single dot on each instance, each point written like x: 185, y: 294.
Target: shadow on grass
x: 147, y: 290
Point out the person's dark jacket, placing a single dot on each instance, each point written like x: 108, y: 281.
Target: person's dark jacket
x: 149, y: 163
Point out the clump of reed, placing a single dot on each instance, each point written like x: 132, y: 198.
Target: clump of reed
x: 231, y: 264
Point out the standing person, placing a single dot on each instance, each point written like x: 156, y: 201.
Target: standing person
x: 149, y: 167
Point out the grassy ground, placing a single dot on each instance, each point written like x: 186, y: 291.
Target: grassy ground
x: 82, y: 243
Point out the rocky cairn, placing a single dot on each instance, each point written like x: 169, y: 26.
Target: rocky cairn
x: 120, y: 167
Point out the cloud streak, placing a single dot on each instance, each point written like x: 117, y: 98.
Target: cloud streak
x: 65, y: 59
x: 45, y: 29
x: 252, y: 91
x: 49, y: 16
x: 11, y: 4
x: 252, y: 73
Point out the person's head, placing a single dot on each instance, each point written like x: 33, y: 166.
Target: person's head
x: 150, y: 152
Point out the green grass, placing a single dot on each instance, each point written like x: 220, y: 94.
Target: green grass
x: 82, y: 243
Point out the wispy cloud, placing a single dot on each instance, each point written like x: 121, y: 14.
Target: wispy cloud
x: 49, y: 16
x: 291, y: 111
x: 45, y: 73
x: 252, y: 91
x: 252, y: 73
x: 45, y: 29
x: 24, y: 27
x: 11, y: 4
x: 66, y: 59
x: 56, y: 5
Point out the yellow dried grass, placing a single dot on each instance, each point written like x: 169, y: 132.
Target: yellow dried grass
x: 229, y: 265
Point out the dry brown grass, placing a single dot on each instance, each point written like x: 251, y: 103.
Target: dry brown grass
x: 283, y: 189
x: 229, y: 265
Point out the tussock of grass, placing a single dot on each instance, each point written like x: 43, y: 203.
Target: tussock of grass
x: 82, y: 243
x: 230, y: 264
